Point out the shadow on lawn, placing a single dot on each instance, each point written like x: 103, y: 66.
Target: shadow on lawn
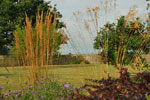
x: 6, y: 75
x: 71, y: 66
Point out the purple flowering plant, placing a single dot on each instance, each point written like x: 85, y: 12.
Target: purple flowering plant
x: 1, y: 95
x: 45, y: 89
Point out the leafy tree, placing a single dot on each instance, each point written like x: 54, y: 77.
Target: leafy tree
x: 123, y: 41
x: 4, y: 50
x: 12, y: 13
x: 148, y: 4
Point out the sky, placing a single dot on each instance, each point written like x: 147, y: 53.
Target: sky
x: 81, y: 42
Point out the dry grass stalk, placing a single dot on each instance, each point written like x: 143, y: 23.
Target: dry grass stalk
x: 17, y: 47
x: 93, y: 13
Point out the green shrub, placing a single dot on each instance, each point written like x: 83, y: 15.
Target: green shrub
x: 78, y: 60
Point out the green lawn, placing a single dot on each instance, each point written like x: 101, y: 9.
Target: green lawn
x: 74, y: 74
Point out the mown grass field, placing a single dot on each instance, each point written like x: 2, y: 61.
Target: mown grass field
x: 73, y: 74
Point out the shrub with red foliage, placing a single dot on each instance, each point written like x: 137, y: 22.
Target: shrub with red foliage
x: 123, y: 88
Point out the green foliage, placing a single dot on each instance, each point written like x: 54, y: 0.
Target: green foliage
x: 12, y: 13
x: 78, y: 60
x: 123, y: 40
x: 148, y: 4
x: 21, y: 34
x: 1, y: 95
x: 147, y: 97
x: 4, y: 50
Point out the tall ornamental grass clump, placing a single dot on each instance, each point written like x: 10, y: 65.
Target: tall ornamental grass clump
x: 36, y: 46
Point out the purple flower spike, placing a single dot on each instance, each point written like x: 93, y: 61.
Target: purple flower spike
x: 17, y: 95
x: 23, y: 90
x: 66, y: 86
x: 15, y: 92
x: 79, y: 87
x: 26, y: 83
x: 30, y: 84
x: 27, y: 91
x: 1, y: 87
x: 40, y: 82
x: 33, y: 92
x: 7, y: 94
x: 41, y: 97
x: 46, y: 79
x: 42, y: 76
